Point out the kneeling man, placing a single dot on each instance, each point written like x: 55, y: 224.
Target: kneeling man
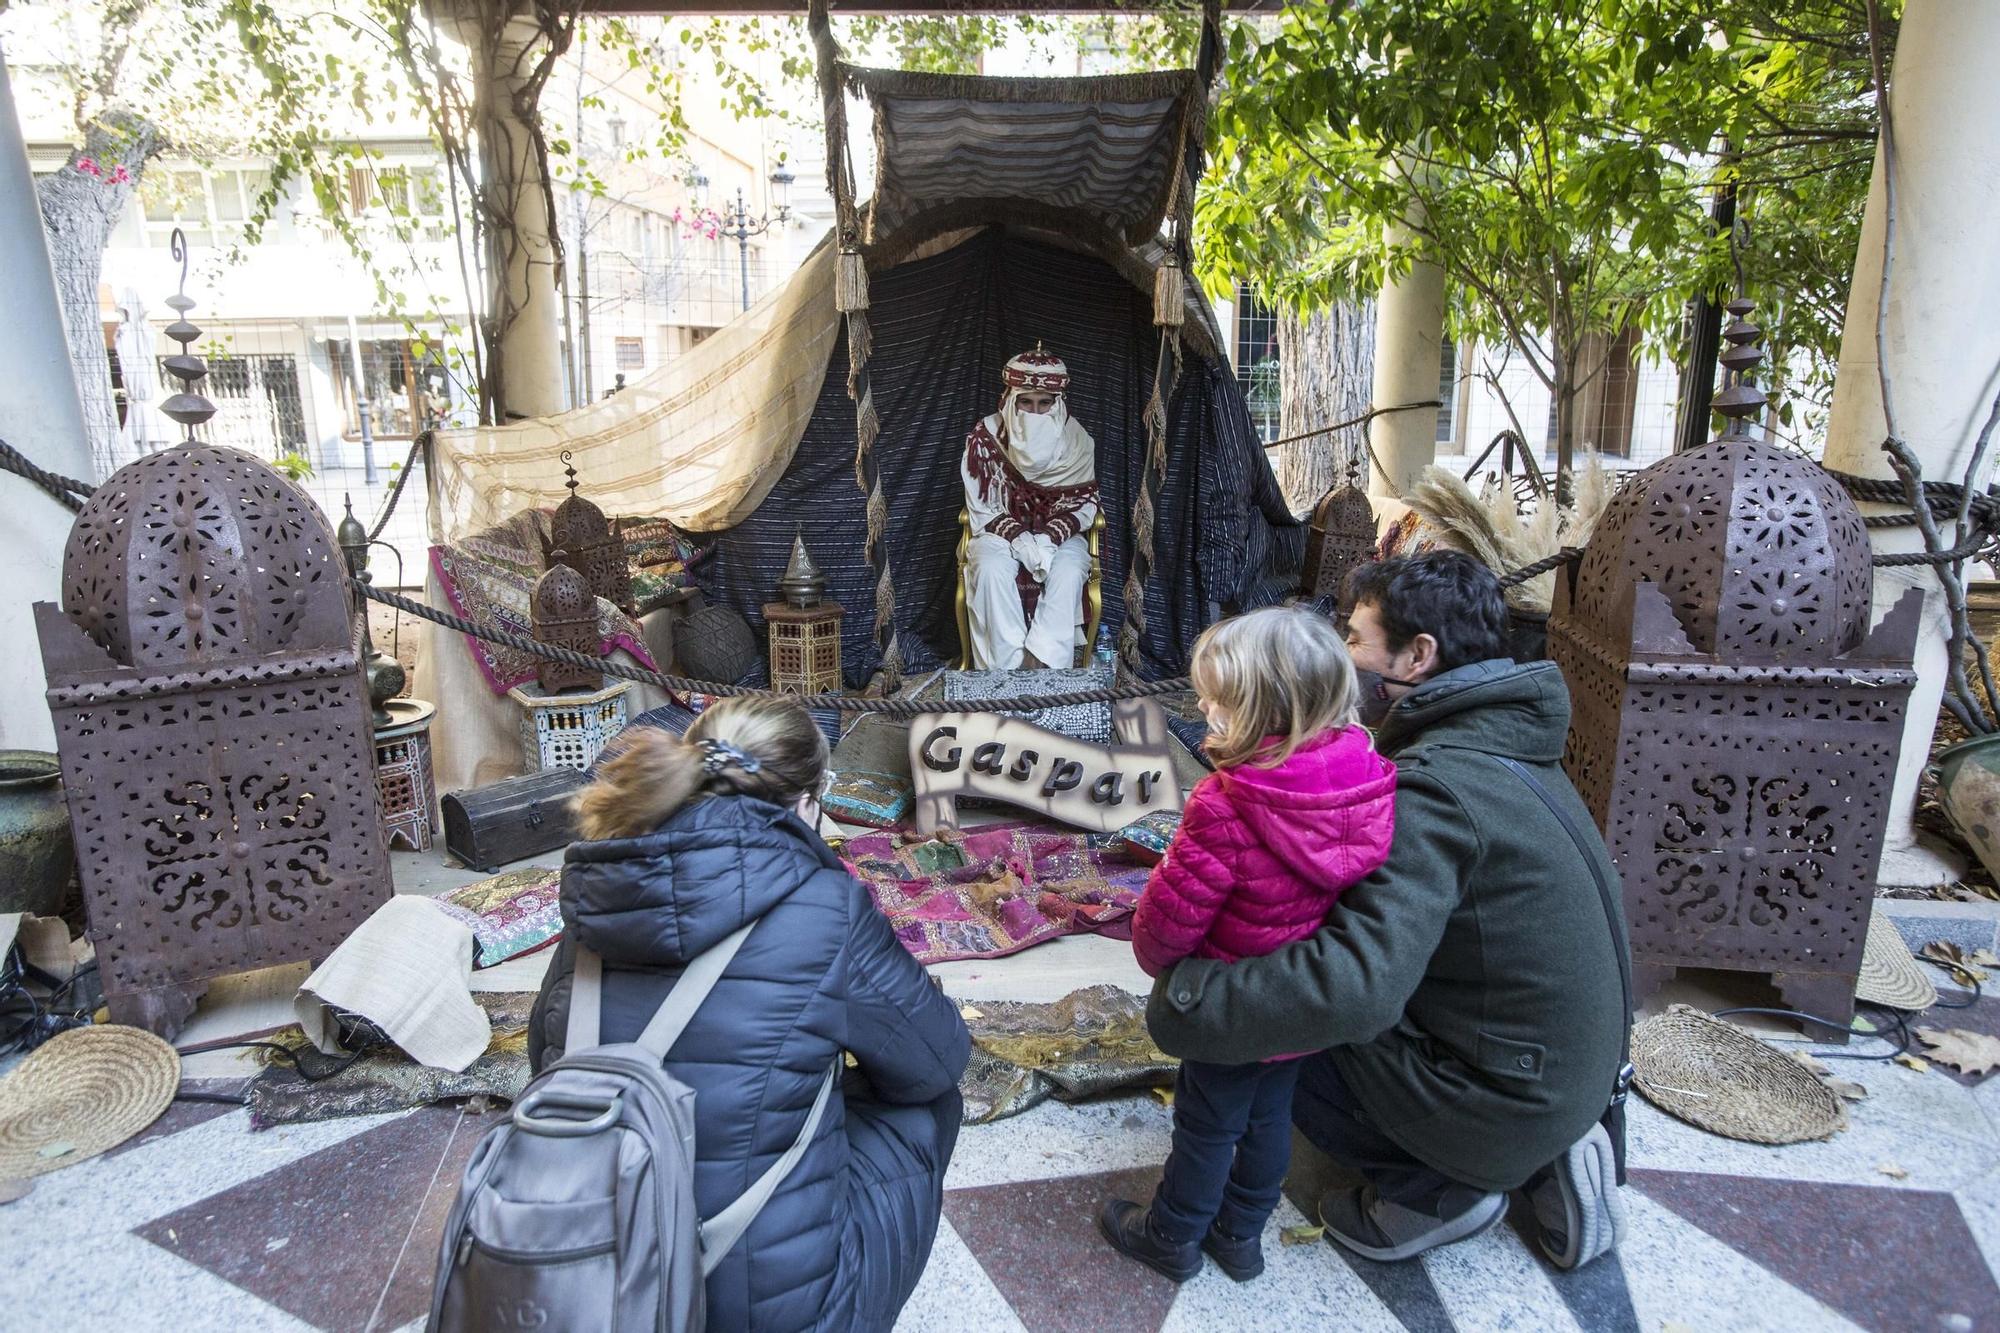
x: 1030, y: 475
x: 1468, y: 1000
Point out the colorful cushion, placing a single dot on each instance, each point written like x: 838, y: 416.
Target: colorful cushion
x: 873, y: 800
x: 1147, y: 839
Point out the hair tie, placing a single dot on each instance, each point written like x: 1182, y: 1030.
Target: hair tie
x: 718, y: 755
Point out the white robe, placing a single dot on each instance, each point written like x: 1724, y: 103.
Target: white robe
x: 1001, y: 631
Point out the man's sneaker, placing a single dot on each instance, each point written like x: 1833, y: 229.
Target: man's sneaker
x: 1578, y: 1212
x: 1237, y: 1256
x: 1374, y: 1228
x: 1128, y: 1227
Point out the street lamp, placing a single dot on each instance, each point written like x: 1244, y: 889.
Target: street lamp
x: 738, y: 222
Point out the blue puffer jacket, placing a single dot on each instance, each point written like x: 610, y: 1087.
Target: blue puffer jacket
x: 820, y: 974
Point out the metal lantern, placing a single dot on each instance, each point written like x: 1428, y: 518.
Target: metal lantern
x: 385, y: 674
x: 1340, y: 540
x: 594, y: 546
x: 205, y: 680
x: 804, y: 630
x: 1735, y: 725
x: 562, y: 612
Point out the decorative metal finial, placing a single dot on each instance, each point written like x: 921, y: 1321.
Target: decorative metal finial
x: 1740, y: 398
x: 187, y: 407
x: 802, y: 585
x: 569, y: 470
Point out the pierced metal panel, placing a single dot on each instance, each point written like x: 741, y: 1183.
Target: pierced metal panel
x: 1762, y: 555
x: 563, y: 614
x: 591, y: 544
x: 212, y: 723
x: 1340, y: 539
x: 1735, y: 727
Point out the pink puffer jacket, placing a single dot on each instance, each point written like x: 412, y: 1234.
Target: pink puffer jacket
x: 1263, y: 852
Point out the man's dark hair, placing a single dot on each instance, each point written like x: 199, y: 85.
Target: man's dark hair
x: 1445, y: 594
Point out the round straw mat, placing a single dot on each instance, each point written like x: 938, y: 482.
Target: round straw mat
x: 1721, y: 1079
x: 90, y: 1088
x: 1889, y: 975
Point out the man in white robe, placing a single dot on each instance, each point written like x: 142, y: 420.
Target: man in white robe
x: 1030, y: 475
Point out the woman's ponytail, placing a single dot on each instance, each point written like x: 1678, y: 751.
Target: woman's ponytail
x: 765, y: 747
x: 653, y: 776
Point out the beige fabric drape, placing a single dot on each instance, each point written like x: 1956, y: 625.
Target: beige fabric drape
x: 700, y: 441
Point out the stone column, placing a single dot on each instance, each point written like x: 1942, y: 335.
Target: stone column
x: 1409, y: 330
x: 42, y: 416
x: 1942, y: 341
x: 523, y: 270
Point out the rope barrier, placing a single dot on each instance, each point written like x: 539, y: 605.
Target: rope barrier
x: 1985, y: 509
x: 842, y: 702
x: 65, y: 490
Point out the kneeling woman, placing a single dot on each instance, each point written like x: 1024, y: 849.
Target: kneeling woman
x: 685, y: 841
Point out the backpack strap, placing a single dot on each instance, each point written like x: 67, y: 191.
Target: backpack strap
x: 1614, y: 1115
x: 586, y: 999
x: 720, y: 1233
x: 697, y: 979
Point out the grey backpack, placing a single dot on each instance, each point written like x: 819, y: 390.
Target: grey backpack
x: 578, y: 1212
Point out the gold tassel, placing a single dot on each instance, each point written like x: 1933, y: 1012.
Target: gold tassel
x: 1169, y: 295
x: 860, y: 346
x: 867, y: 427
x: 850, y: 284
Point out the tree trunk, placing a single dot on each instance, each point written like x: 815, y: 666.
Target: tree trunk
x: 1327, y: 365
x: 79, y: 209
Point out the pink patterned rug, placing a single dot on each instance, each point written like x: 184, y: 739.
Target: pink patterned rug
x: 995, y: 890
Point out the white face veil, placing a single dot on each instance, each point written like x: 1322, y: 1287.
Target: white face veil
x: 1037, y: 439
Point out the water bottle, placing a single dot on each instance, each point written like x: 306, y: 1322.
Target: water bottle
x: 1106, y: 652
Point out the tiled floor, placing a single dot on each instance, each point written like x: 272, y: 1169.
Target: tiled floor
x: 1892, y: 1225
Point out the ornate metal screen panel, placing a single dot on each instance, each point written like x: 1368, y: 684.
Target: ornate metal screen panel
x: 1340, y: 539
x: 213, y: 728
x: 1735, y: 727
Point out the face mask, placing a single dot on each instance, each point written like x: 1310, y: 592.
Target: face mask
x: 1382, y: 684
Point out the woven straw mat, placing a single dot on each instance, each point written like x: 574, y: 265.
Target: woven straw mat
x: 1889, y: 975
x: 1719, y: 1078
x: 89, y: 1088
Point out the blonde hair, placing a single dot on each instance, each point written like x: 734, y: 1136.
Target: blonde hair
x: 1281, y: 671
x: 655, y: 772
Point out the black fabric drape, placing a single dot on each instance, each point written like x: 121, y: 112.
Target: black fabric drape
x: 943, y: 328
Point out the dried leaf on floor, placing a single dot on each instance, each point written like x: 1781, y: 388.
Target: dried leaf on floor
x: 1985, y: 958
x: 1303, y: 1234
x: 1891, y: 1170
x: 1967, y: 1052
x: 1908, y: 1061
x: 969, y: 1012
x: 1951, y: 956
x: 1807, y: 1059
x: 1166, y: 1096
x: 1846, y: 1089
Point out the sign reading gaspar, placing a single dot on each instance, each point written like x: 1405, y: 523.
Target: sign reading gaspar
x: 1098, y: 787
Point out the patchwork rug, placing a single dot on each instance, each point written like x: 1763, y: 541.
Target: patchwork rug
x: 995, y: 890
x: 516, y: 912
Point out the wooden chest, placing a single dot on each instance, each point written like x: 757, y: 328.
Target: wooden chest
x: 489, y: 827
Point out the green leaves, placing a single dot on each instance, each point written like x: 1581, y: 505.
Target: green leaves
x: 1559, y: 159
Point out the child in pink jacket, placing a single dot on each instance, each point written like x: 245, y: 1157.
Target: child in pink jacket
x: 1300, y: 806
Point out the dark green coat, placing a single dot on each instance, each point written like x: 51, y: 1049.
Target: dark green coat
x: 1469, y: 989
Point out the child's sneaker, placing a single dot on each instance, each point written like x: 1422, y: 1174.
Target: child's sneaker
x: 1240, y: 1257
x: 1129, y: 1228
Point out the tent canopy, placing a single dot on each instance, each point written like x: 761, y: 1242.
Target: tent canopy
x: 955, y: 150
